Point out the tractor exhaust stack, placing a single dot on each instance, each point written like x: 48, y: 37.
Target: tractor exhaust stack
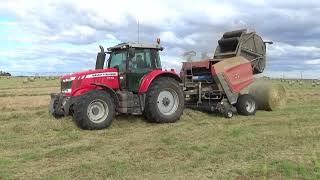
x: 101, y: 57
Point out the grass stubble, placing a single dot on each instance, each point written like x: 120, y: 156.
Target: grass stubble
x: 271, y: 145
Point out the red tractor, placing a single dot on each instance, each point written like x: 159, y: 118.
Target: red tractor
x: 132, y: 82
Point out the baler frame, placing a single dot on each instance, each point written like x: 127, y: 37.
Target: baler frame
x: 238, y: 56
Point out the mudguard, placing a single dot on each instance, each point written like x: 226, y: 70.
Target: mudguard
x: 150, y: 77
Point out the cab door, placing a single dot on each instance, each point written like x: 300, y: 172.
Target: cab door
x: 118, y: 60
x: 138, y: 66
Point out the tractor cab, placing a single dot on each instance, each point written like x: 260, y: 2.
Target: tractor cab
x: 133, y: 61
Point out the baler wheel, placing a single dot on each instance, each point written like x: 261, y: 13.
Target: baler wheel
x: 164, y: 101
x: 94, y: 110
x: 228, y: 113
x: 246, y: 105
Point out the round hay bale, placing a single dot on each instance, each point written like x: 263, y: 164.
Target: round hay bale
x: 313, y: 84
x: 318, y: 83
x: 8, y: 77
x: 25, y: 80
x: 31, y: 79
x: 269, y: 96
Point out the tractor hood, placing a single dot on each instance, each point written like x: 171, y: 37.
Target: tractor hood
x: 84, y: 74
x: 81, y: 82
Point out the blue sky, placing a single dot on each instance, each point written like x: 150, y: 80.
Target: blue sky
x: 56, y: 36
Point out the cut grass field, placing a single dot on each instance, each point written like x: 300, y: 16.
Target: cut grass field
x: 281, y: 144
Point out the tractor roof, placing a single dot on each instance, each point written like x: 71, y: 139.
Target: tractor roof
x: 136, y: 45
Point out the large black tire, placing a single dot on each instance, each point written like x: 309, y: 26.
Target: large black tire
x: 246, y: 105
x: 94, y: 110
x: 157, y: 102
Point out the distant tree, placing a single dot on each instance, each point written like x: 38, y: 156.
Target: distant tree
x: 2, y: 73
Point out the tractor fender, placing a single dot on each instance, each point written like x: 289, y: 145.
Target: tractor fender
x: 112, y: 93
x: 81, y: 91
x: 96, y: 86
x: 153, y: 75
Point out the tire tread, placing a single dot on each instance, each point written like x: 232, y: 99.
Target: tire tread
x: 151, y: 111
x: 80, y: 110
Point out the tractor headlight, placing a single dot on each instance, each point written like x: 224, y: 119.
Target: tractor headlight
x: 66, y: 85
x: 66, y: 91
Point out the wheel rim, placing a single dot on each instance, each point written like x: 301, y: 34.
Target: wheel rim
x: 168, y: 102
x: 97, y: 111
x: 250, y: 106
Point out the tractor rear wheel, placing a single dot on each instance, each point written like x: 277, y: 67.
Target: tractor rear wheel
x: 94, y: 110
x: 164, y: 101
x: 246, y: 105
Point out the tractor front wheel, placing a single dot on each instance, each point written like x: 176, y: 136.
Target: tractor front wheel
x: 164, y: 101
x: 94, y: 110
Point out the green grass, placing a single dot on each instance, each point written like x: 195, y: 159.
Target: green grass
x: 17, y: 82
x: 281, y: 144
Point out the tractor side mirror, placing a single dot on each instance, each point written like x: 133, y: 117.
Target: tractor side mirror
x: 131, y: 52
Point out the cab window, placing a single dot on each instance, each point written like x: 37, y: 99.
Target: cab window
x: 141, y: 62
x: 117, y: 59
x: 155, y: 58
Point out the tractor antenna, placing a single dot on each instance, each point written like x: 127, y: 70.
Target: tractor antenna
x: 138, y: 31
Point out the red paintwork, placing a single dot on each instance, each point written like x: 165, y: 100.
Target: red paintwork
x: 239, y: 76
x: 213, y: 71
x: 148, y: 79
x: 83, y: 81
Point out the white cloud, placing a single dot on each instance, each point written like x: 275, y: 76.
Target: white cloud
x: 283, y: 49
x: 313, y: 62
x: 170, y: 37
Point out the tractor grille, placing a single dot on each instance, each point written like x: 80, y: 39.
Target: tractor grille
x: 66, y: 85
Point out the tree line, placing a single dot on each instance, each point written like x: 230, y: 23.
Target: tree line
x: 2, y: 73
